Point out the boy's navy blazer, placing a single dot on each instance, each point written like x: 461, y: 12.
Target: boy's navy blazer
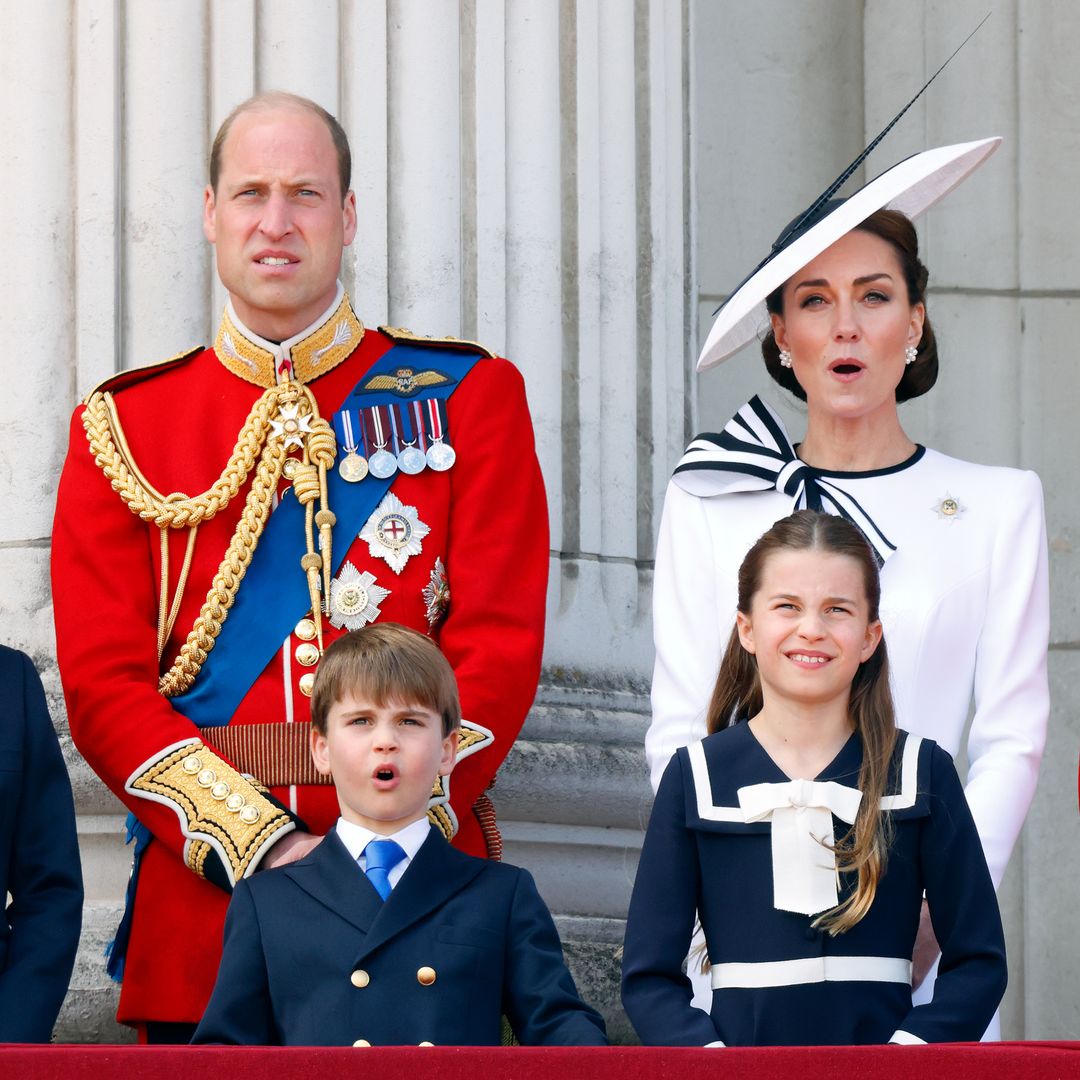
x: 39, y: 859
x: 314, y: 957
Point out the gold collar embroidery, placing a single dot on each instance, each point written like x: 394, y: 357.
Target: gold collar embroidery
x: 302, y: 358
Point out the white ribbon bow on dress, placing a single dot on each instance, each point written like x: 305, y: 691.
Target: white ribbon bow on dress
x: 801, y: 811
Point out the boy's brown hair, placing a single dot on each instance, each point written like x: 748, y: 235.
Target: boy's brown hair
x: 386, y: 662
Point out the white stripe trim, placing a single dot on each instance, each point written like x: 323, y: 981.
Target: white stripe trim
x: 709, y: 811
x: 905, y: 1038
x: 703, y: 789
x: 811, y: 969
x: 909, y: 778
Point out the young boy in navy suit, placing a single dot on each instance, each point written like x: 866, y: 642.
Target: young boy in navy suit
x: 384, y: 934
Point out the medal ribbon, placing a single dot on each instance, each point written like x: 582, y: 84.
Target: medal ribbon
x: 379, y: 429
x: 754, y: 453
x: 343, y: 426
x: 392, y: 410
x: 417, y: 411
x: 271, y: 602
x: 404, y: 420
x: 436, y: 409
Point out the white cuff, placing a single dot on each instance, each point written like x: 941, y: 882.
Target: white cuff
x: 717, y: 1043
x: 905, y: 1038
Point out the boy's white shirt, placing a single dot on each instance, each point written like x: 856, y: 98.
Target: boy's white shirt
x: 356, y: 838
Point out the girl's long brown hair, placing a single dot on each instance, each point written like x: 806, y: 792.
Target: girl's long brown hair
x: 737, y: 697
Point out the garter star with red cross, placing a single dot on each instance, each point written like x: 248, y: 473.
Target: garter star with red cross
x: 393, y: 532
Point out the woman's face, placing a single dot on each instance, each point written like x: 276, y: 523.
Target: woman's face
x: 846, y: 322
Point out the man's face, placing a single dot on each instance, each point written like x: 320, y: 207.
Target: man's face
x: 278, y: 221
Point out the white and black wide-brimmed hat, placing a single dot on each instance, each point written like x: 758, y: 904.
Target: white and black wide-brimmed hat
x: 911, y: 186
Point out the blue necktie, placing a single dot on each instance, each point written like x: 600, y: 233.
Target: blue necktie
x: 382, y: 856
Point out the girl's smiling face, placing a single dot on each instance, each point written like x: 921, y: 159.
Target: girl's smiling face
x: 846, y: 321
x: 809, y: 627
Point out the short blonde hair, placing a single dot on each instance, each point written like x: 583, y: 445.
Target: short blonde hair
x: 386, y: 662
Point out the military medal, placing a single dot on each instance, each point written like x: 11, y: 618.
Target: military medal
x: 393, y: 532
x: 354, y: 466
x: 382, y: 463
x: 436, y: 594
x: 440, y: 455
x: 354, y: 598
x: 410, y: 458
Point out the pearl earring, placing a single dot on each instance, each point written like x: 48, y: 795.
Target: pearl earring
x: 785, y: 358
x: 910, y: 353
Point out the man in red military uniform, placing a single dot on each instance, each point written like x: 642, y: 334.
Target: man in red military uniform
x: 224, y: 515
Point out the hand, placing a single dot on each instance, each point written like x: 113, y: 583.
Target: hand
x: 927, y: 949
x: 289, y: 848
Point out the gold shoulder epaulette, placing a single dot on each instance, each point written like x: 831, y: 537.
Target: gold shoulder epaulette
x: 121, y: 379
x: 400, y: 333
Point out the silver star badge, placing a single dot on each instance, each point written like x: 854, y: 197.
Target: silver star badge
x: 290, y: 426
x: 948, y: 508
x: 354, y: 598
x: 394, y: 532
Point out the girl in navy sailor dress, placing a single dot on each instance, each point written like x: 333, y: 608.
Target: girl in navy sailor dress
x: 806, y: 835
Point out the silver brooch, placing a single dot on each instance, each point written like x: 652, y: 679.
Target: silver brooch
x: 394, y: 532
x: 949, y: 508
x: 355, y: 598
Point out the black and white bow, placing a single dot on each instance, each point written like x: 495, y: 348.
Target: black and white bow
x: 754, y: 453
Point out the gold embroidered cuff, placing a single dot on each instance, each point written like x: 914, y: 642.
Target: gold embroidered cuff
x: 221, y: 812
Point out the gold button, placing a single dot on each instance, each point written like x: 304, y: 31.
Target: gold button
x: 425, y: 1044
x: 949, y: 507
x: 305, y: 630
x: 220, y: 791
x: 207, y: 778
x: 307, y: 683
x: 289, y: 468
x: 250, y: 814
x: 235, y: 802
x: 425, y: 976
x: 307, y: 654
x: 192, y: 763
x: 359, y: 979
x: 361, y: 1042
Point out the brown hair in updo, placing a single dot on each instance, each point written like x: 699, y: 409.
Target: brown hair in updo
x: 895, y: 229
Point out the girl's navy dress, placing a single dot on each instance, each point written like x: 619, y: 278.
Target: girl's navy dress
x: 776, y: 980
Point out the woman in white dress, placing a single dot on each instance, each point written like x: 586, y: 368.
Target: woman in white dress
x: 964, y: 578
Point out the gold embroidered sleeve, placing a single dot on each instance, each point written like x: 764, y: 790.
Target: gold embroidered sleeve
x: 229, y: 823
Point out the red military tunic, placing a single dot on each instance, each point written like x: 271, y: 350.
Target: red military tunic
x: 488, y: 525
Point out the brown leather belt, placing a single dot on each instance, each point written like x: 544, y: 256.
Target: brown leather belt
x: 277, y: 755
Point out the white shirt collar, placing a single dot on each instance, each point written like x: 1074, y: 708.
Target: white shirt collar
x: 283, y: 350
x: 356, y: 838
